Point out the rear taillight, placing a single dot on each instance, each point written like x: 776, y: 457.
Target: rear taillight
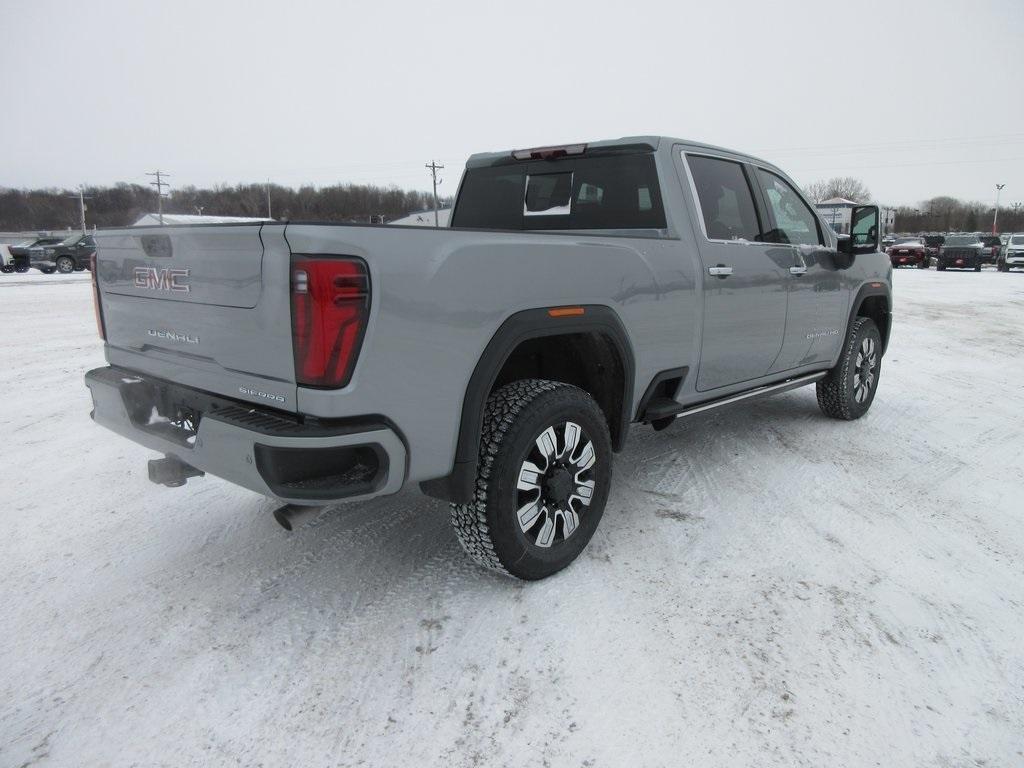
x: 330, y: 304
x: 97, y: 307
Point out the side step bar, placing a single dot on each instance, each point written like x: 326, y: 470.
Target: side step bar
x: 661, y: 411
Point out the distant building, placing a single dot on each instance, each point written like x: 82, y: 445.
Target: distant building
x: 153, y: 219
x: 424, y: 218
x: 836, y: 212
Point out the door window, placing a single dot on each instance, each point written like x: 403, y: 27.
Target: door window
x: 726, y: 202
x: 794, y: 223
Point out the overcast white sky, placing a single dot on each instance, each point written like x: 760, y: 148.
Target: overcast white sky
x: 915, y: 98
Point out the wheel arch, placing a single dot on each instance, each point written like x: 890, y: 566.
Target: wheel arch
x: 508, y: 354
x: 874, y: 300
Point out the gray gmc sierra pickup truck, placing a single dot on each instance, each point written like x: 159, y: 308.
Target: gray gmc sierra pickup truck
x: 498, y: 362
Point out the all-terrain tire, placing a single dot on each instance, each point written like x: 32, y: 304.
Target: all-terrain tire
x: 840, y: 393
x: 516, y: 417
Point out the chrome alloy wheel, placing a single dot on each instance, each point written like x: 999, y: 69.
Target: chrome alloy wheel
x: 555, y: 484
x: 864, y: 370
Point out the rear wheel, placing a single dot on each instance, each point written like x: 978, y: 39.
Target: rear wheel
x: 849, y: 389
x: 65, y: 265
x: 7, y: 269
x: 542, y: 481
x: 48, y: 270
x: 978, y: 268
x: 940, y: 268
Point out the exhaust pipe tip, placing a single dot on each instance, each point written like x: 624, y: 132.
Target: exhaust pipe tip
x: 292, y: 516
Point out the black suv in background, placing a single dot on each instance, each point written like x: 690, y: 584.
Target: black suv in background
x: 960, y: 252
x: 20, y: 252
x: 70, y: 255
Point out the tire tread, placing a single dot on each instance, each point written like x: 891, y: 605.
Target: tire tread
x: 500, y: 415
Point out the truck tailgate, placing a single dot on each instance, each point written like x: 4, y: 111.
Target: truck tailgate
x: 205, y: 306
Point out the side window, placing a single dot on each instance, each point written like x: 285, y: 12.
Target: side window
x: 726, y: 202
x: 794, y: 223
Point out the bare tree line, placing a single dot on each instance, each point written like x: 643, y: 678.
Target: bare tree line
x: 122, y: 204
x: 937, y: 214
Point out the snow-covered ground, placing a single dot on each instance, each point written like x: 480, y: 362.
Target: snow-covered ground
x: 768, y: 587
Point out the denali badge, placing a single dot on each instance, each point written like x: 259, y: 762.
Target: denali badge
x: 184, y: 338
x: 819, y: 334
x: 264, y: 395
x: 153, y: 279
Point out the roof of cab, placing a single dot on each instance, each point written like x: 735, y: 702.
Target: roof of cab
x: 481, y: 159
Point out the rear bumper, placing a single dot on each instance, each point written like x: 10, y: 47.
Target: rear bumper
x: 266, y: 451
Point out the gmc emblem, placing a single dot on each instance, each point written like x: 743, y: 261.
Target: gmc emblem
x: 153, y: 279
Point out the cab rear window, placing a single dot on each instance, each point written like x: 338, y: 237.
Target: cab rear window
x: 609, y: 192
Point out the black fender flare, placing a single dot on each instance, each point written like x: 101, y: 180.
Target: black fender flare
x: 873, y: 288
x: 458, y: 486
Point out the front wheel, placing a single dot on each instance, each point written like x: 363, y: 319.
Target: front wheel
x: 849, y: 388
x: 7, y: 269
x: 542, y: 481
x: 65, y: 265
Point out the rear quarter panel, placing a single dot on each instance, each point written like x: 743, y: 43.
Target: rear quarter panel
x: 439, y: 296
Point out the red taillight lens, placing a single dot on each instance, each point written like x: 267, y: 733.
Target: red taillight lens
x: 96, y: 306
x: 330, y: 304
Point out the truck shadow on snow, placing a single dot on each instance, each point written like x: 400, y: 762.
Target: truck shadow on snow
x: 391, y: 543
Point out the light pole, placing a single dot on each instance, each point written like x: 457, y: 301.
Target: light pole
x: 995, y: 216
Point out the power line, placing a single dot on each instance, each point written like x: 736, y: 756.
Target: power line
x: 990, y: 140
x: 159, y: 184
x: 434, y: 168
x: 839, y: 167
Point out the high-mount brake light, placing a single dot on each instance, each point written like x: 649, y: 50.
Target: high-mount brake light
x: 549, y: 153
x: 96, y: 306
x: 330, y: 306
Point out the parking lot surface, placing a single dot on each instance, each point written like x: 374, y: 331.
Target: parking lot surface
x: 768, y: 587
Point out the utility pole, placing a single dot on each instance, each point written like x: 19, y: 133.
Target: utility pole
x: 434, y: 168
x: 268, y: 200
x: 81, y: 197
x: 159, y: 184
x: 995, y: 215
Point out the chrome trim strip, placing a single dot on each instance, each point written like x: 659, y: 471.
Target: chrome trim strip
x: 770, y: 389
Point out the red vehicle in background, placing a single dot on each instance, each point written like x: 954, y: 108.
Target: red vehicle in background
x: 909, y: 252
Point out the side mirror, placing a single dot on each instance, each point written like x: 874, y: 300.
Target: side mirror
x: 863, y: 231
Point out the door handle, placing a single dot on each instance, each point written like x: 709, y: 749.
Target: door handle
x: 797, y: 270
x: 720, y: 271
